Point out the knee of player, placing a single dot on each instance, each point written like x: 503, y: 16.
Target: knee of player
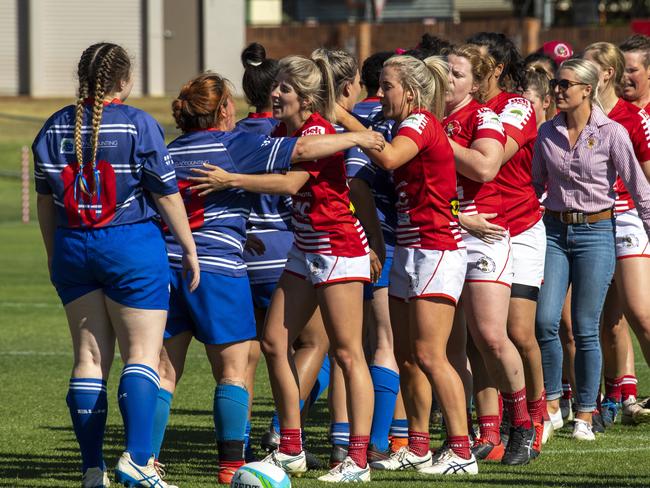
x: 273, y: 348
x: 347, y: 357
x: 427, y: 358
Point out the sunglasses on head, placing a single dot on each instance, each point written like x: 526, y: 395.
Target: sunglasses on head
x: 564, y: 84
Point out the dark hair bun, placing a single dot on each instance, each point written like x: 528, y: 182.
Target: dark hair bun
x: 253, y: 55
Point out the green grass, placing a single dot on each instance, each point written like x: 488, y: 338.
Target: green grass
x: 38, y: 449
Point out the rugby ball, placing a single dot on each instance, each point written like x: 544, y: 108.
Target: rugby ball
x: 260, y: 475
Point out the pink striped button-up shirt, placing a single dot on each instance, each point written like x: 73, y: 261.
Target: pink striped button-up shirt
x: 581, y: 177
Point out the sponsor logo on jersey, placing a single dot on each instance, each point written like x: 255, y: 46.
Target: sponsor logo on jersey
x: 452, y: 128
x: 516, y: 112
x: 314, y: 130
x: 454, y: 206
x: 67, y: 145
x: 417, y: 122
x: 485, y: 264
x: 487, y: 119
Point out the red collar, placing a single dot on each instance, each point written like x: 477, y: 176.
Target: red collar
x: 370, y: 99
x: 260, y: 115
x: 91, y: 101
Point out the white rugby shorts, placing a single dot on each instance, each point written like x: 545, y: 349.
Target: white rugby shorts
x: 321, y: 269
x: 426, y: 273
x: 489, y: 263
x: 631, y: 237
x: 528, y: 256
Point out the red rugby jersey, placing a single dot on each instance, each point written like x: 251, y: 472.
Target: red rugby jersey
x: 637, y: 122
x: 472, y: 122
x: 427, y: 201
x: 321, y: 218
x: 514, y: 179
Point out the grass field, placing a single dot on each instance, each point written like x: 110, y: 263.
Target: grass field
x: 37, y: 445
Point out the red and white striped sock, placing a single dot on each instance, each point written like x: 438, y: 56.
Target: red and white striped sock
x: 628, y: 387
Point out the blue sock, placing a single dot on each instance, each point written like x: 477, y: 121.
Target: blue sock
x: 160, y: 418
x: 247, y: 436
x: 386, y: 386
x: 137, y: 397
x: 340, y: 433
x: 322, y: 382
x: 275, y: 421
x: 88, y: 409
x: 399, y: 428
x: 230, y: 412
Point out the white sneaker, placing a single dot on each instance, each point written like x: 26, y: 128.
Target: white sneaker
x: 557, y: 419
x: 294, y: 465
x: 635, y: 413
x: 450, y: 463
x: 403, y: 459
x: 567, y: 411
x: 95, y: 478
x: 582, y: 431
x: 347, y: 472
x: 133, y: 475
x: 549, y: 429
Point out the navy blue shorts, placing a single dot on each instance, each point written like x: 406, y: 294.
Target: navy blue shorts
x: 262, y: 294
x: 268, y: 267
x: 381, y: 283
x: 219, y: 311
x: 127, y: 262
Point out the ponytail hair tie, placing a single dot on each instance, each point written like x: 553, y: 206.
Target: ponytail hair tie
x: 250, y: 62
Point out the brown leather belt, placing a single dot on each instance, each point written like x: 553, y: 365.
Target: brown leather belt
x: 571, y: 217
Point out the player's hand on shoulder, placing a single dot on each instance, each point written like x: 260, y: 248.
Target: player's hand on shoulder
x: 210, y: 179
x: 370, y: 139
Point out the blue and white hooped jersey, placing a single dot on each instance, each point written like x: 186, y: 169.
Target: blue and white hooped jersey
x: 380, y: 181
x: 131, y: 160
x: 367, y: 108
x: 270, y: 217
x: 268, y: 212
x: 218, y: 220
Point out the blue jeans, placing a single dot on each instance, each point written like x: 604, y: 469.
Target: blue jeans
x: 582, y: 255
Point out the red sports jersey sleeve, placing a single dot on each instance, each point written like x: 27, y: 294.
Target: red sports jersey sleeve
x: 637, y: 123
x: 468, y: 124
x: 427, y: 201
x: 514, y: 179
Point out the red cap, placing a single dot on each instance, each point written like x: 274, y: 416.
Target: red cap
x: 558, y: 51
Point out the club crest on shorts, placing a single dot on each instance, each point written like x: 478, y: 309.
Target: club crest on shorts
x: 316, y: 265
x: 485, y: 264
x: 414, y: 281
x: 629, y: 241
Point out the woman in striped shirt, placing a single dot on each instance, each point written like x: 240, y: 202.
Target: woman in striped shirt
x: 576, y: 157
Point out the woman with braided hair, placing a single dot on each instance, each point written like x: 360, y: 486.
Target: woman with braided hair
x: 99, y: 167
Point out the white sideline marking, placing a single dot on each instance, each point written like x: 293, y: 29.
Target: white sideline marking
x: 30, y: 305
x: 596, y: 451
x: 64, y: 353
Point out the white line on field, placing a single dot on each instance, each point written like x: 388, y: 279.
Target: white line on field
x: 64, y: 353
x: 596, y: 451
x: 30, y: 305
